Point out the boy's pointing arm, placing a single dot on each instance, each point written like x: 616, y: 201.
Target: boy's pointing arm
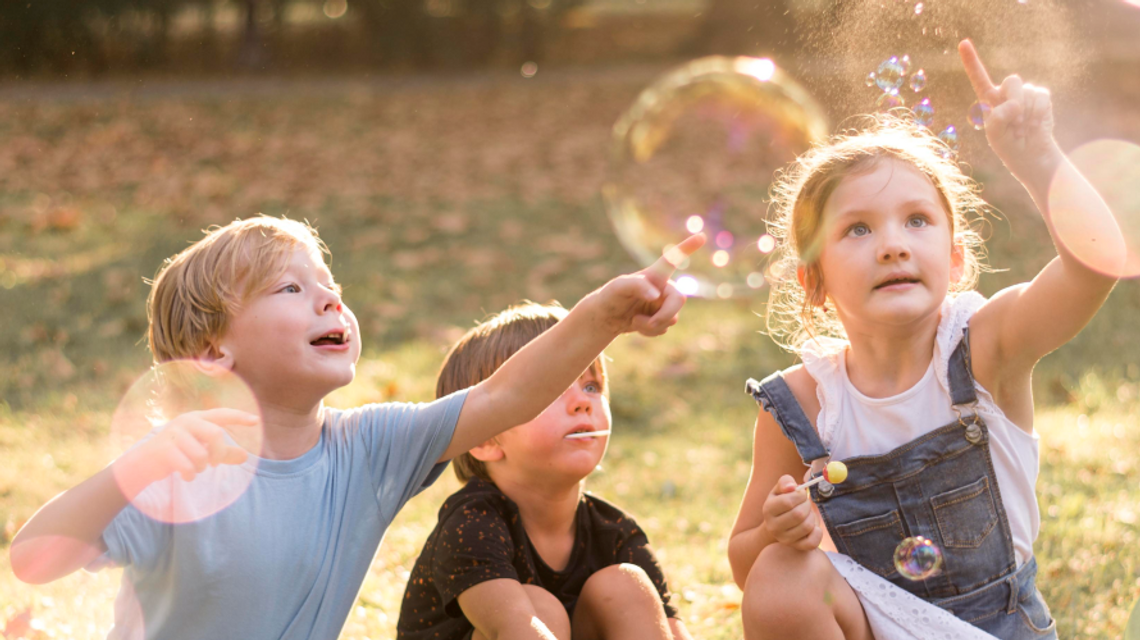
x: 646, y: 302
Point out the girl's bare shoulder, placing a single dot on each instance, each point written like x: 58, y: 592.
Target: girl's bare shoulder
x: 803, y: 387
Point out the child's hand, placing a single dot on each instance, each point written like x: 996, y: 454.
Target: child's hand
x: 647, y: 301
x: 186, y: 445
x: 1020, y: 126
x: 788, y: 516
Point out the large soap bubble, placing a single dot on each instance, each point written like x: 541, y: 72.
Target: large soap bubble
x: 1113, y: 168
x: 696, y: 152
x: 169, y: 390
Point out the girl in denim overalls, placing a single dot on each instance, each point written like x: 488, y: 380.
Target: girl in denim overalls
x: 917, y: 382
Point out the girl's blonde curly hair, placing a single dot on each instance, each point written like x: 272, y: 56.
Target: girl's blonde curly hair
x: 797, y: 313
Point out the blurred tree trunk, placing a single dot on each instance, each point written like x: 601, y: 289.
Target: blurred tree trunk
x: 251, y: 53
x: 745, y: 27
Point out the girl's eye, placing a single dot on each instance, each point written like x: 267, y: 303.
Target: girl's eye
x: 859, y: 230
x: 917, y: 222
x: 290, y: 288
x: 593, y: 387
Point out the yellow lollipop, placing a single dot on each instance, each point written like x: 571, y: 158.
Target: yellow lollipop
x: 835, y: 472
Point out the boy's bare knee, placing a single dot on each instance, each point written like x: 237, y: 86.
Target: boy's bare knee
x: 549, y: 609
x: 627, y: 584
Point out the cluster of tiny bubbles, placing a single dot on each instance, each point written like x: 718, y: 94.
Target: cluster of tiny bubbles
x: 695, y: 153
x: 978, y: 113
x: 1107, y: 245
x: 924, y: 113
x: 166, y: 391
x: 918, y: 558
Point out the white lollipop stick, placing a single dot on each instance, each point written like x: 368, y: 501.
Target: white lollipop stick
x: 589, y: 434
x: 835, y: 472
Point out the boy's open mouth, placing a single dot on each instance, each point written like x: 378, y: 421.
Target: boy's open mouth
x: 331, y: 338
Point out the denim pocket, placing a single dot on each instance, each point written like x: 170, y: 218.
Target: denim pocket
x: 1035, y: 614
x: 872, y: 541
x: 966, y: 515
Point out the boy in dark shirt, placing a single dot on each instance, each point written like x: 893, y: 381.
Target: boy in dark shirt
x: 521, y: 551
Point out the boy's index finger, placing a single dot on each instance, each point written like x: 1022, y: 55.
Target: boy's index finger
x: 976, y: 71
x: 664, y: 267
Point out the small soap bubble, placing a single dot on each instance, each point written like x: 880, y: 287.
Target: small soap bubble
x: 889, y: 76
x: 978, y: 113
x: 918, y: 9
x: 890, y: 100
x: 870, y: 80
x: 528, y: 69
x: 924, y: 113
x: 905, y: 62
x: 918, y: 81
x: 918, y: 558
x: 694, y: 153
x: 949, y: 136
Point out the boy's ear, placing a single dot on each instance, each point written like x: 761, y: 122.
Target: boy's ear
x: 213, y: 358
x: 489, y: 451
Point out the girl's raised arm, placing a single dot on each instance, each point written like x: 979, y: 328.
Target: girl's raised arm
x: 1021, y: 324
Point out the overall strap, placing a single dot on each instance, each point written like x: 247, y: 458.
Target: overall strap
x: 775, y: 396
x: 960, y: 373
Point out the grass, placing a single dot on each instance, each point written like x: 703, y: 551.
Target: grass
x: 442, y: 201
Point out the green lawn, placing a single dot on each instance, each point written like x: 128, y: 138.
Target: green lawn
x: 443, y: 200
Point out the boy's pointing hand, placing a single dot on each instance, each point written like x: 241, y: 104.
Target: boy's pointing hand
x: 647, y: 301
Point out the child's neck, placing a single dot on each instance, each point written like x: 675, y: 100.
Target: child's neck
x: 289, y: 432
x: 546, y: 509
x: 882, y: 364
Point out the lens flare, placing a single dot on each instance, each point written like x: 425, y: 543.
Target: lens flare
x: 697, y: 152
x: 170, y: 390
x: 1108, y: 245
x: 917, y: 558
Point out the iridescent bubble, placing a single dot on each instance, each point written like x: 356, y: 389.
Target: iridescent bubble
x: 167, y: 391
x: 870, y: 80
x: 949, y: 136
x: 697, y: 150
x: 528, y: 69
x: 918, y: 9
x: 1107, y: 244
x: 905, y: 62
x: 978, y: 113
x: 918, y: 81
x: 889, y: 100
x: 918, y: 558
x: 924, y: 113
x: 889, y: 76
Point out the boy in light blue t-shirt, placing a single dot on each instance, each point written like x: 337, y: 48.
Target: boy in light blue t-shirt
x: 287, y: 558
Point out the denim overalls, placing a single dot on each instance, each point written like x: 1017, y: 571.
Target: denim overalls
x: 940, y: 486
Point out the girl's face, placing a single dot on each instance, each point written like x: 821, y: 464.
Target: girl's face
x: 888, y: 256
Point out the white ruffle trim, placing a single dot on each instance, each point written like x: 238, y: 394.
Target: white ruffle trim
x: 896, y: 614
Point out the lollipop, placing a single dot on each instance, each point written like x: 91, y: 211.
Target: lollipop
x: 835, y: 472
x: 588, y: 434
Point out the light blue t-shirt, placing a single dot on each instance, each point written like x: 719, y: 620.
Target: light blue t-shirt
x: 287, y: 558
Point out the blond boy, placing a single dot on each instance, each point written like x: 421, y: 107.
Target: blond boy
x: 287, y: 558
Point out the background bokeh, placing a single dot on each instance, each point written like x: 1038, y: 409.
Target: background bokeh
x: 452, y: 154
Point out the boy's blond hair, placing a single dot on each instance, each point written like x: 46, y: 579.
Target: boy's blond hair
x: 485, y: 348
x: 797, y: 313
x: 195, y: 293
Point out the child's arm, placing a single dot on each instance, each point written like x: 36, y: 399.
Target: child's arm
x: 1023, y: 323
x: 500, y: 610
x: 771, y: 510
x: 67, y: 532
x: 646, y: 302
